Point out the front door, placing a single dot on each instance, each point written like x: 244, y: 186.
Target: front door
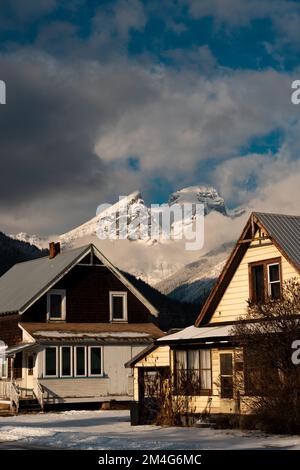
x: 29, y: 366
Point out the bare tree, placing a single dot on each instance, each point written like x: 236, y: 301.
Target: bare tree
x: 164, y: 403
x: 270, y: 384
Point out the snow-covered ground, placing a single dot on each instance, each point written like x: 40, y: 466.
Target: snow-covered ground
x: 106, y: 430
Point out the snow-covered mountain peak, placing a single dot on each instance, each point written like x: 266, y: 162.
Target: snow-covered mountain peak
x: 206, y: 195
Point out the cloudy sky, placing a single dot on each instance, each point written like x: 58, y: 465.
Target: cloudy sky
x: 105, y: 97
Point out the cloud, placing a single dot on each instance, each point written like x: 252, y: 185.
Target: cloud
x: 192, y: 119
x: 48, y: 129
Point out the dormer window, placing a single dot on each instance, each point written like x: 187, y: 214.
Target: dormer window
x: 265, y: 280
x: 56, y: 305
x: 118, y: 306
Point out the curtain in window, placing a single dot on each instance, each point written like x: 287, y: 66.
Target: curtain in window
x: 205, y: 366
x: 181, y: 360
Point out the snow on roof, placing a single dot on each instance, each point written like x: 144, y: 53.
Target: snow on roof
x: 194, y: 332
x: 116, y: 334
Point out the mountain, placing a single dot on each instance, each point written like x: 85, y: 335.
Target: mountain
x: 160, y: 261
x: 193, y: 282
x: 14, y: 251
x: 206, y: 195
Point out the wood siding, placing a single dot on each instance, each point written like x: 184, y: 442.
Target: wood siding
x: 87, y: 298
x: 10, y: 333
x: 117, y: 382
x: 234, y: 301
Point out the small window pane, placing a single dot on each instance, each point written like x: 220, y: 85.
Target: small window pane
x: 55, y: 306
x: 80, y: 361
x: 50, y: 366
x: 118, y: 307
x: 226, y: 387
x: 226, y: 364
x: 95, y: 357
x: 66, y: 361
x: 205, y: 359
x: 205, y: 379
x: 275, y: 290
x: 193, y: 359
x: 181, y: 360
x: 258, y: 283
x: 274, y: 272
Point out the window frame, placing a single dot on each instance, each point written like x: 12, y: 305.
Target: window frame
x: 75, y: 375
x: 265, y: 263
x: 273, y: 282
x: 62, y: 293
x: 61, y: 362
x: 56, y: 363
x: 201, y: 391
x: 122, y: 294
x: 226, y: 376
x: 90, y: 361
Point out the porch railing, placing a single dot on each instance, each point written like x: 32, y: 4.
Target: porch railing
x: 5, y: 388
x: 9, y: 391
x: 39, y: 393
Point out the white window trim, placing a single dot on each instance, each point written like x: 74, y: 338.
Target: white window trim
x: 125, y: 311
x: 273, y: 282
x: 75, y: 361
x: 44, y: 368
x: 62, y: 293
x: 89, y: 362
x: 60, y: 361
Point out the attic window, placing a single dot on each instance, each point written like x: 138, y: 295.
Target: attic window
x: 56, y: 305
x: 118, y: 306
x: 265, y: 280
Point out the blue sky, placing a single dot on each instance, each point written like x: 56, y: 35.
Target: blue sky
x: 105, y: 97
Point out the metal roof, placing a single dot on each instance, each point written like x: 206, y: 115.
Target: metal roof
x: 285, y: 231
x: 24, y: 281
x: 202, y: 332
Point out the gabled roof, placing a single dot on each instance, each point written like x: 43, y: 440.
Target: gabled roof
x: 26, y: 282
x: 283, y: 231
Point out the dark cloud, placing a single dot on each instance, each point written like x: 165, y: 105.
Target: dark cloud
x: 54, y: 115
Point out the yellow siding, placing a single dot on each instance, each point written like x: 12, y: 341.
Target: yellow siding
x: 160, y: 357
x: 234, y: 301
x: 157, y: 358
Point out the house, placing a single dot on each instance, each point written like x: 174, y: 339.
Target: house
x: 68, y: 323
x: 203, y: 360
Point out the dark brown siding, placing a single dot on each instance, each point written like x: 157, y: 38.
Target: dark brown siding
x: 10, y: 333
x: 87, y: 289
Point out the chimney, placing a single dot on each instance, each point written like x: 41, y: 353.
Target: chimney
x: 54, y: 249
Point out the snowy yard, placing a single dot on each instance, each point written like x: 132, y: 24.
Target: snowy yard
x: 105, y: 430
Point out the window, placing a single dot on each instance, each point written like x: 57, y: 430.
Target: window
x: 193, y: 372
x: 56, y: 304
x: 95, y: 361
x: 80, y: 361
x: 50, y: 369
x: 3, y: 368
x: 66, y: 361
x: 226, y: 374
x: 73, y: 361
x: 30, y: 364
x: 265, y: 280
x: 274, y: 280
x: 118, y: 306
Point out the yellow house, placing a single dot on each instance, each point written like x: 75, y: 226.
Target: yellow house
x: 202, y: 359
